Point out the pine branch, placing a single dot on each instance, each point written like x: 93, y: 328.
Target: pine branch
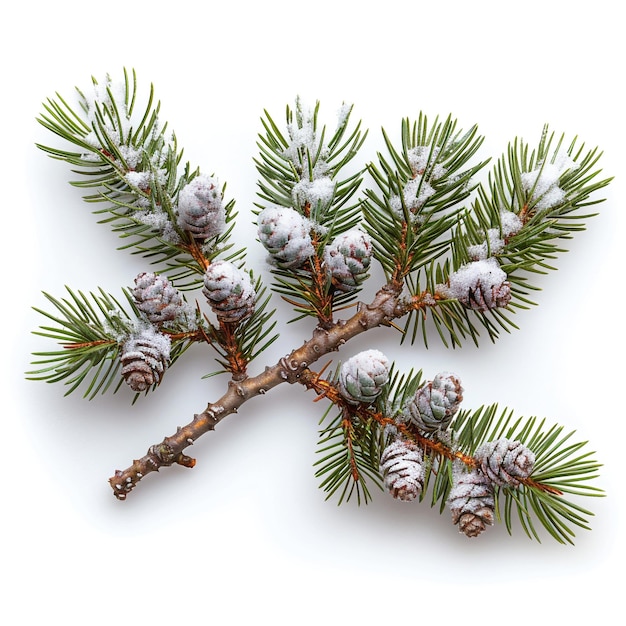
x: 461, y: 268
x: 559, y: 469
x: 419, y: 193
x: 300, y: 179
x: 133, y: 166
x: 289, y: 369
x: 532, y: 202
x: 92, y: 330
x: 351, y: 446
x: 349, y: 457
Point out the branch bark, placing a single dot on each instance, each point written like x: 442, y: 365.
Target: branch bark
x: 386, y: 306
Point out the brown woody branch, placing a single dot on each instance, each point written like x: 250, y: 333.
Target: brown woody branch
x: 386, y: 306
x: 294, y: 367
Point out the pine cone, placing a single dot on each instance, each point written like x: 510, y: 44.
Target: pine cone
x: 348, y: 259
x: 505, y: 462
x: 471, y: 501
x: 229, y: 291
x: 401, y: 465
x: 144, y: 358
x: 479, y: 285
x: 286, y: 235
x: 435, y: 403
x: 201, y: 211
x: 363, y: 376
x: 157, y: 298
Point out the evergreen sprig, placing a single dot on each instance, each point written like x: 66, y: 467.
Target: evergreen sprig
x: 546, y: 188
x: 91, y: 330
x: 460, y: 268
x: 533, y: 200
x: 299, y: 155
x: 420, y: 186
x: 349, y: 450
x: 453, y: 322
x: 301, y: 170
x: 130, y: 162
x: 561, y: 467
x: 352, y: 441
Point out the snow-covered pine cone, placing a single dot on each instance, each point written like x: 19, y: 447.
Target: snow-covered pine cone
x: 286, y: 235
x: 157, y: 297
x: 362, y: 377
x: 471, y: 501
x: 229, y: 291
x: 434, y: 404
x: 401, y: 465
x: 348, y: 259
x: 144, y: 358
x: 201, y: 210
x: 505, y: 462
x: 480, y: 285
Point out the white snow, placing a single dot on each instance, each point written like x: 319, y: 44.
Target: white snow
x: 510, y: 223
x: 140, y: 180
x: 195, y: 196
x: 230, y: 279
x: 494, y: 243
x: 304, y: 142
x: 343, y: 113
x: 484, y: 273
x: 415, y: 194
x: 148, y: 334
x: 543, y: 181
x: 417, y: 190
x: 421, y: 157
x: 302, y: 136
x: 160, y: 222
x: 321, y: 189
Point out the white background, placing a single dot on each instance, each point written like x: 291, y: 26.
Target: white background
x: 246, y: 536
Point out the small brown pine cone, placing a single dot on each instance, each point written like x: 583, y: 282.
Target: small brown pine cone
x: 229, y: 291
x: 286, y: 235
x: 201, y: 210
x: 485, y: 297
x: 157, y: 298
x: 505, y: 462
x: 471, y: 501
x: 144, y: 359
x: 401, y: 465
x: 348, y: 259
x: 435, y: 403
x: 480, y: 285
x: 363, y: 376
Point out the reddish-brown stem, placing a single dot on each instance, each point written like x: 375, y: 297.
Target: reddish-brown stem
x: 385, y: 307
x: 87, y: 344
x: 348, y: 428
x: 195, y: 251
x: 326, y: 389
x: 193, y: 335
x: 237, y: 363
